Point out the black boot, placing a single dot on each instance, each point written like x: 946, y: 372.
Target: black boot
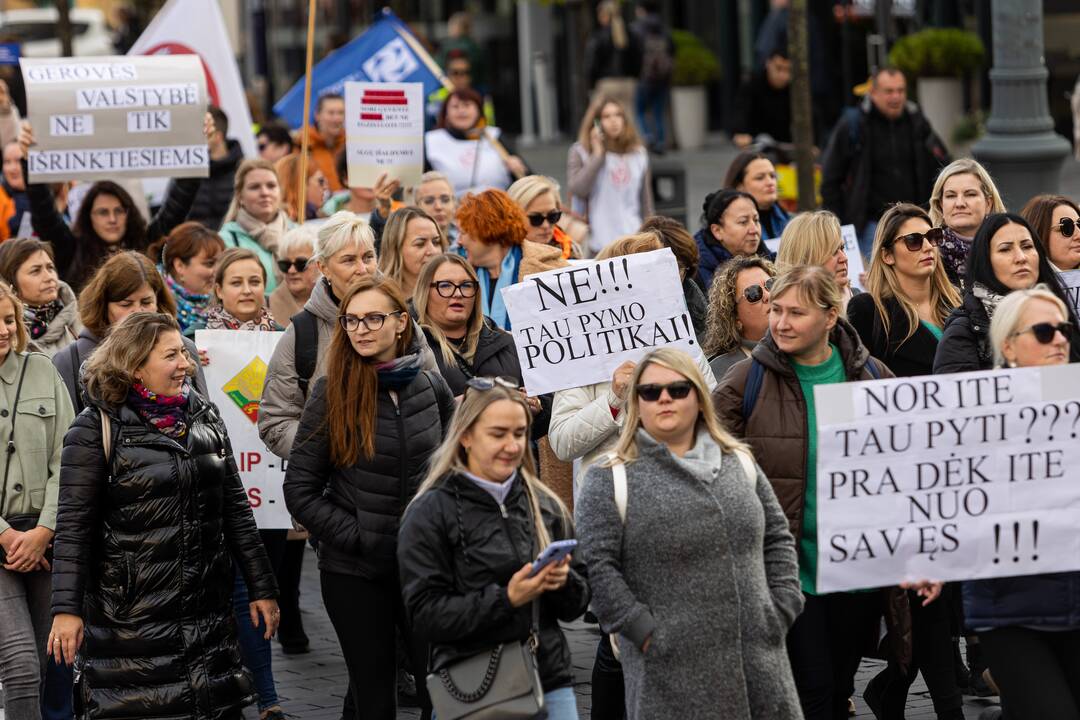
x: 978, y: 686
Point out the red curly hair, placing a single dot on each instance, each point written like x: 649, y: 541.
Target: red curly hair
x: 492, y: 218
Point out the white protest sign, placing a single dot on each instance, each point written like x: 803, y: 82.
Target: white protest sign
x: 948, y: 477
x: 855, y: 267
x: 107, y: 117
x: 575, y: 325
x: 235, y: 378
x: 384, y: 132
x: 1070, y: 281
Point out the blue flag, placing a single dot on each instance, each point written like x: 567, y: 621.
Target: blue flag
x: 381, y: 54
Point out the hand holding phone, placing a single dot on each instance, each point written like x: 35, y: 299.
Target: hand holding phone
x: 553, y: 553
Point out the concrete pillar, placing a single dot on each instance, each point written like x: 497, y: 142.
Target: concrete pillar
x: 1020, y: 149
x: 539, y: 101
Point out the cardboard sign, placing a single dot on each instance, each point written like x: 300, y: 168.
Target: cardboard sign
x: 384, y: 126
x: 575, y: 325
x: 948, y: 477
x: 855, y: 267
x: 108, y: 117
x: 235, y: 378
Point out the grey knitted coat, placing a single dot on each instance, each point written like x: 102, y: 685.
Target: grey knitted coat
x: 706, y: 566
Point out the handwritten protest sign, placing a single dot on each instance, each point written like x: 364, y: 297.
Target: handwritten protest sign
x: 1070, y: 281
x: 575, y: 325
x: 235, y: 378
x: 855, y: 267
x: 948, y: 477
x: 384, y: 126
x: 104, y: 117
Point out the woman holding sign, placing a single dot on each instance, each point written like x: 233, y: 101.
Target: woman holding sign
x: 1029, y: 627
x: 467, y: 543
x: 360, y: 452
x: 1005, y: 256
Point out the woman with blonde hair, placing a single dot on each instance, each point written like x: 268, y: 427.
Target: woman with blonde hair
x: 256, y: 219
x: 467, y: 541
x: 317, y: 190
x: 410, y: 239
x: 738, y: 311
x: 963, y: 195
x: 607, y: 172
x: 716, y: 638
x: 538, y: 196
x: 813, y: 238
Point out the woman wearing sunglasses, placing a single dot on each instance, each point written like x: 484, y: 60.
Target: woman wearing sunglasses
x: 715, y: 638
x: 1056, y: 222
x: 468, y: 540
x: 360, y: 453
x: 1027, y: 625
x: 899, y: 319
x: 738, y: 311
x: 538, y: 196
x: 963, y: 195
x: 295, y: 260
x: 410, y: 239
x: 1005, y: 256
x: 808, y: 344
x: 813, y: 238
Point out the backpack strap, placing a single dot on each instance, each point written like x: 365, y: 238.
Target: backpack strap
x: 853, y: 119
x: 746, y: 460
x: 618, y: 476
x: 305, y: 348
x: 752, y: 389
x: 872, y: 368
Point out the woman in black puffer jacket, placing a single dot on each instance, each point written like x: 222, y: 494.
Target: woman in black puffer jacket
x: 146, y: 537
x: 467, y: 541
x: 360, y: 453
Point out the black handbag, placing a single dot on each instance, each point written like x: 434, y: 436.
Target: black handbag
x: 498, y: 684
x: 22, y: 521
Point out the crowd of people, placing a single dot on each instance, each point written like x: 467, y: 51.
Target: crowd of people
x: 136, y: 583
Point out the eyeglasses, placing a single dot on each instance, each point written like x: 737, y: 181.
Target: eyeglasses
x: 430, y: 200
x: 1068, y: 226
x: 372, y: 321
x: 914, y: 241
x: 487, y: 383
x: 756, y: 293
x: 118, y: 212
x: 1044, y: 332
x: 446, y: 289
x: 676, y: 390
x: 262, y: 146
x: 300, y: 263
x: 537, y: 219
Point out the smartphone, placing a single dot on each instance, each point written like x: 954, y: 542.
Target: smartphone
x: 596, y: 124
x: 553, y: 553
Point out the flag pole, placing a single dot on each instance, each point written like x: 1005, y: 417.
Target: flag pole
x: 301, y: 196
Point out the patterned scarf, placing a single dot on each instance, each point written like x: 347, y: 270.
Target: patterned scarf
x: 39, y: 317
x: 218, y: 318
x: 398, y: 373
x: 990, y: 299
x: 190, y: 307
x: 167, y: 413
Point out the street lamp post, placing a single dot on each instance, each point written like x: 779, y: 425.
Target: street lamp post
x: 1020, y: 148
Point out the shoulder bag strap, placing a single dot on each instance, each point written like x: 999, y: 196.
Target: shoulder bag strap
x: 106, y: 436
x: 534, y: 626
x: 10, y: 449
x: 746, y: 460
x: 618, y: 476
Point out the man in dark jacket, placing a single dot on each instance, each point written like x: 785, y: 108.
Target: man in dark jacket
x: 880, y: 153
x: 215, y: 193
x: 763, y: 105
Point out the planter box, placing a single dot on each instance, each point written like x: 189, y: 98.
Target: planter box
x: 689, y: 114
x: 942, y: 102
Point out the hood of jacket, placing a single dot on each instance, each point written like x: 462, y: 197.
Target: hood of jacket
x: 844, y: 336
x: 321, y: 302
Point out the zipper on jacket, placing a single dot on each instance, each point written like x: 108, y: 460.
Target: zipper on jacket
x: 403, y: 450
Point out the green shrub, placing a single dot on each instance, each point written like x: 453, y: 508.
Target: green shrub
x: 938, y: 52
x: 695, y: 63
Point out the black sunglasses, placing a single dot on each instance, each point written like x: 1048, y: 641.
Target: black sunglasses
x: 755, y: 293
x: 1068, y: 226
x: 537, y: 219
x: 676, y: 390
x: 300, y: 263
x: 1044, y: 332
x: 914, y: 241
x: 446, y: 289
x: 487, y: 383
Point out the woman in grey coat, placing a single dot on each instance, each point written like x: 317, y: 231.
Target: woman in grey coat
x: 696, y: 572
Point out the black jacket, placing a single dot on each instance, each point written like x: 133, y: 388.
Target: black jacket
x: 145, y: 547
x: 965, y: 346
x: 458, y: 549
x: 847, y: 167
x: 604, y: 60
x: 355, y: 511
x: 762, y: 109
x: 215, y: 193
x: 906, y: 358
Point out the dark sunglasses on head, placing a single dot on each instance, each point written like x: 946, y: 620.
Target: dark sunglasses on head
x: 676, y: 390
x: 1044, y: 332
x: 914, y: 241
x: 537, y: 219
x: 446, y: 289
x: 300, y: 263
x: 755, y: 293
x: 487, y: 383
x: 1068, y: 226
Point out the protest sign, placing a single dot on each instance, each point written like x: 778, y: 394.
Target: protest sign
x: 1070, y: 281
x: 575, y: 325
x: 108, y: 117
x: 855, y: 267
x: 235, y: 378
x: 384, y: 132
x: 948, y: 477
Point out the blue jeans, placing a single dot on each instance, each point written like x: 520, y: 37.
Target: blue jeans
x: 654, y: 100
x: 254, y: 648
x: 561, y: 704
x: 866, y: 242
